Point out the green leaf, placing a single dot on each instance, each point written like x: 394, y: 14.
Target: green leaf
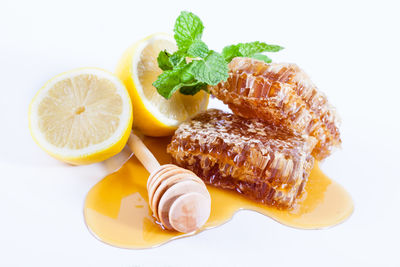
x: 262, y: 58
x: 186, y: 76
x: 230, y: 51
x: 253, y: 49
x: 163, y: 60
x: 198, y: 49
x: 193, y: 89
x: 250, y: 49
x: 212, y: 70
x: 168, y: 82
x: 178, y: 58
x: 188, y: 28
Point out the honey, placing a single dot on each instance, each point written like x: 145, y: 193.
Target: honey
x: 117, y: 212
x: 257, y: 159
x: 281, y: 94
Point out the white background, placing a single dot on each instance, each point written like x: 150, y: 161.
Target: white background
x: 349, y: 48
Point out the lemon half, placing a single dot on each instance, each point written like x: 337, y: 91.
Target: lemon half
x: 154, y: 115
x: 81, y: 116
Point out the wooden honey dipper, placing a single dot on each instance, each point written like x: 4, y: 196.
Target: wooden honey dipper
x: 178, y: 198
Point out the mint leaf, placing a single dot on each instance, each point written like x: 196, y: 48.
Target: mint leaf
x: 168, y: 82
x: 178, y: 58
x: 262, y: 58
x: 186, y: 76
x: 212, y: 70
x: 198, y: 49
x: 188, y: 28
x: 250, y: 49
x: 253, y: 50
x: 163, y: 60
x: 193, y: 89
x: 231, y: 51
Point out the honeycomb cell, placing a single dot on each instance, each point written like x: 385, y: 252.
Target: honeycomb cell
x: 259, y: 160
x: 281, y: 94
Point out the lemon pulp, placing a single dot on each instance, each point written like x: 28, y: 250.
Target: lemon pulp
x: 82, y: 116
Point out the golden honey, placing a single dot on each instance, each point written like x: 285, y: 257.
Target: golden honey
x: 259, y: 160
x: 117, y: 212
x: 281, y: 94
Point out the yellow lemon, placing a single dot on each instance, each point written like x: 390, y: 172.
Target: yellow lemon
x: 154, y: 115
x: 81, y: 116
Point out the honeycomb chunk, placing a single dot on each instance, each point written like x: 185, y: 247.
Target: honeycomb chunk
x: 257, y: 159
x: 281, y: 94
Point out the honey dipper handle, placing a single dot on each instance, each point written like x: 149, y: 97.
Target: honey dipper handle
x: 142, y: 153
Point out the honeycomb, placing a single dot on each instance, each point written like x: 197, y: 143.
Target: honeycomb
x: 281, y: 94
x: 259, y: 160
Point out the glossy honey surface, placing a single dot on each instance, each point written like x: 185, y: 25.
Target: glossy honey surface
x: 117, y: 212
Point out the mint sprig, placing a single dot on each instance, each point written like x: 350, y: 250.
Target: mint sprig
x: 194, y: 66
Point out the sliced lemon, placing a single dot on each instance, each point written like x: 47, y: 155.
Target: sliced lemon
x: 153, y: 115
x: 81, y: 116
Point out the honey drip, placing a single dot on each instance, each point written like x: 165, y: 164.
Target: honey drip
x: 117, y: 212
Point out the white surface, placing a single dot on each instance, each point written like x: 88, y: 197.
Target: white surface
x: 350, y: 49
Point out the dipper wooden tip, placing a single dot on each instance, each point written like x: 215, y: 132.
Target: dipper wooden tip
x: 189, y: 212
x: 178, y: 198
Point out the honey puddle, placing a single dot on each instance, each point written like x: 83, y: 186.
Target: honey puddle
x: 116, y: 209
